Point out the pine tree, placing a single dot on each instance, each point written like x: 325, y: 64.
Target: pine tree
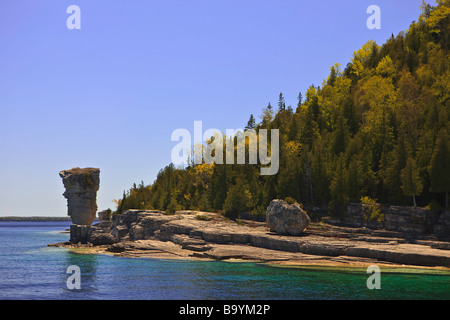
x: 267, y: 116
x: 293, y: 128
x: 307, y: 176
x: 411, y: 183
x: 332, y: 77
x: 251, y: 124
x: 440, y: 165
x: 289, y: 178
x: 281, y: 103
x: 340, y: 136
x: 358, y: 130
x: 219, y: 186
x: 238, y: 200
x: 391, y: 173
x: 299, y: 102
x: 320, y: 179
x: 338, y: 193
x: 290, y: 110
x: 234, y: 203
x: 354, y: 180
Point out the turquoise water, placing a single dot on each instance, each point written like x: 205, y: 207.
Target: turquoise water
x: 31, y: 270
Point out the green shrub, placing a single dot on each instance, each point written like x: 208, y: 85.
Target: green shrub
x: 203, y: 217
x: 173, y: 206
x: 290, y: 200
x: 370, y: 210
x: 238, y: 201
x: 434, y: 206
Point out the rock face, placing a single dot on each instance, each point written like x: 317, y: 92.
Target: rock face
x: 416, y: 222
x: 79, y: 233
x: 81, y: 193
x: 104, y: 215
x: 287, y: 219
x: 442, y: 227
x: 100, y: 236
x: 184, y: 235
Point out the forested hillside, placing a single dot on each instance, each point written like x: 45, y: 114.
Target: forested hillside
x: 378, y: 127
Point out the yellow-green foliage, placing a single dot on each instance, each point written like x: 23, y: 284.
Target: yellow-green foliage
x: 371, y: 210
x: 351, y: 137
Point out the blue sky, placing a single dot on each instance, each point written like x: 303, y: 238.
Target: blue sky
x: 110, y: 94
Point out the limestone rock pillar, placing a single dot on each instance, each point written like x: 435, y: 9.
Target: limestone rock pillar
x: 81, y: 194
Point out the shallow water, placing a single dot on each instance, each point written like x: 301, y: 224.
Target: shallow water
x: 31, y: 270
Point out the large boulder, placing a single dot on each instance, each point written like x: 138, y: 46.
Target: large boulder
x: 287, y: 219
x: 104, y: 215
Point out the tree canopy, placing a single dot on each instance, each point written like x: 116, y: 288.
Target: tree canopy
x: 379, y: 128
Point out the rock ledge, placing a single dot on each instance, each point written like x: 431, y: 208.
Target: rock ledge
x: 189, y: 235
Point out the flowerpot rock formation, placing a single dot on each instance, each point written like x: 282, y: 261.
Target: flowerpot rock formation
x: 81, y: 194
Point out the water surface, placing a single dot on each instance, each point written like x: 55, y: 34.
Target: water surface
x: 31, y: 270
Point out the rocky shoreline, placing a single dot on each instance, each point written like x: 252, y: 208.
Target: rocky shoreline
x: 205, y: 235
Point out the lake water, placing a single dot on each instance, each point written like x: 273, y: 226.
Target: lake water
x: 31, y: 270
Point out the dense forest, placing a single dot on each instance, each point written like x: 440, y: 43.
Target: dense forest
x: 377, y: 129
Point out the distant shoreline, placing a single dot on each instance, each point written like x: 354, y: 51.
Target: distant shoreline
x: 35, y: 218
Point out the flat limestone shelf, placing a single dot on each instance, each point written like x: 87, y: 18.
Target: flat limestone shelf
x: 201, y: 235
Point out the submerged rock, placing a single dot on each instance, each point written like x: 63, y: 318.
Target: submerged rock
x: 287, y: 219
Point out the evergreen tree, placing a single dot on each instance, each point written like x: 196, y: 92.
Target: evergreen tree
x: 290, y: 175
x: 293, y: 128
x: 339, y: 198
x: 251, y: 124
x: 281, y: 103
x: 391, y: 173
x: 219, y: 186
x: 238, y: 201
x: 309, y: 127
x: 440, y: 165
x: 289, y: 109
x: 411, y: 183
x: 368, y: 131
x: 332, y: 77
x: 307, y: 176
x: 354, y: 180
x: 340, y: 136
x: 267, y: 116
x: 299, y: 102
x: 319, y: 175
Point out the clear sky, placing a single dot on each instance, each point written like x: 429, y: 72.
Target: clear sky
x: 110, y: 94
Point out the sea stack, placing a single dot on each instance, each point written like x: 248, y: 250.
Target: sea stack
x: 81, y: 194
